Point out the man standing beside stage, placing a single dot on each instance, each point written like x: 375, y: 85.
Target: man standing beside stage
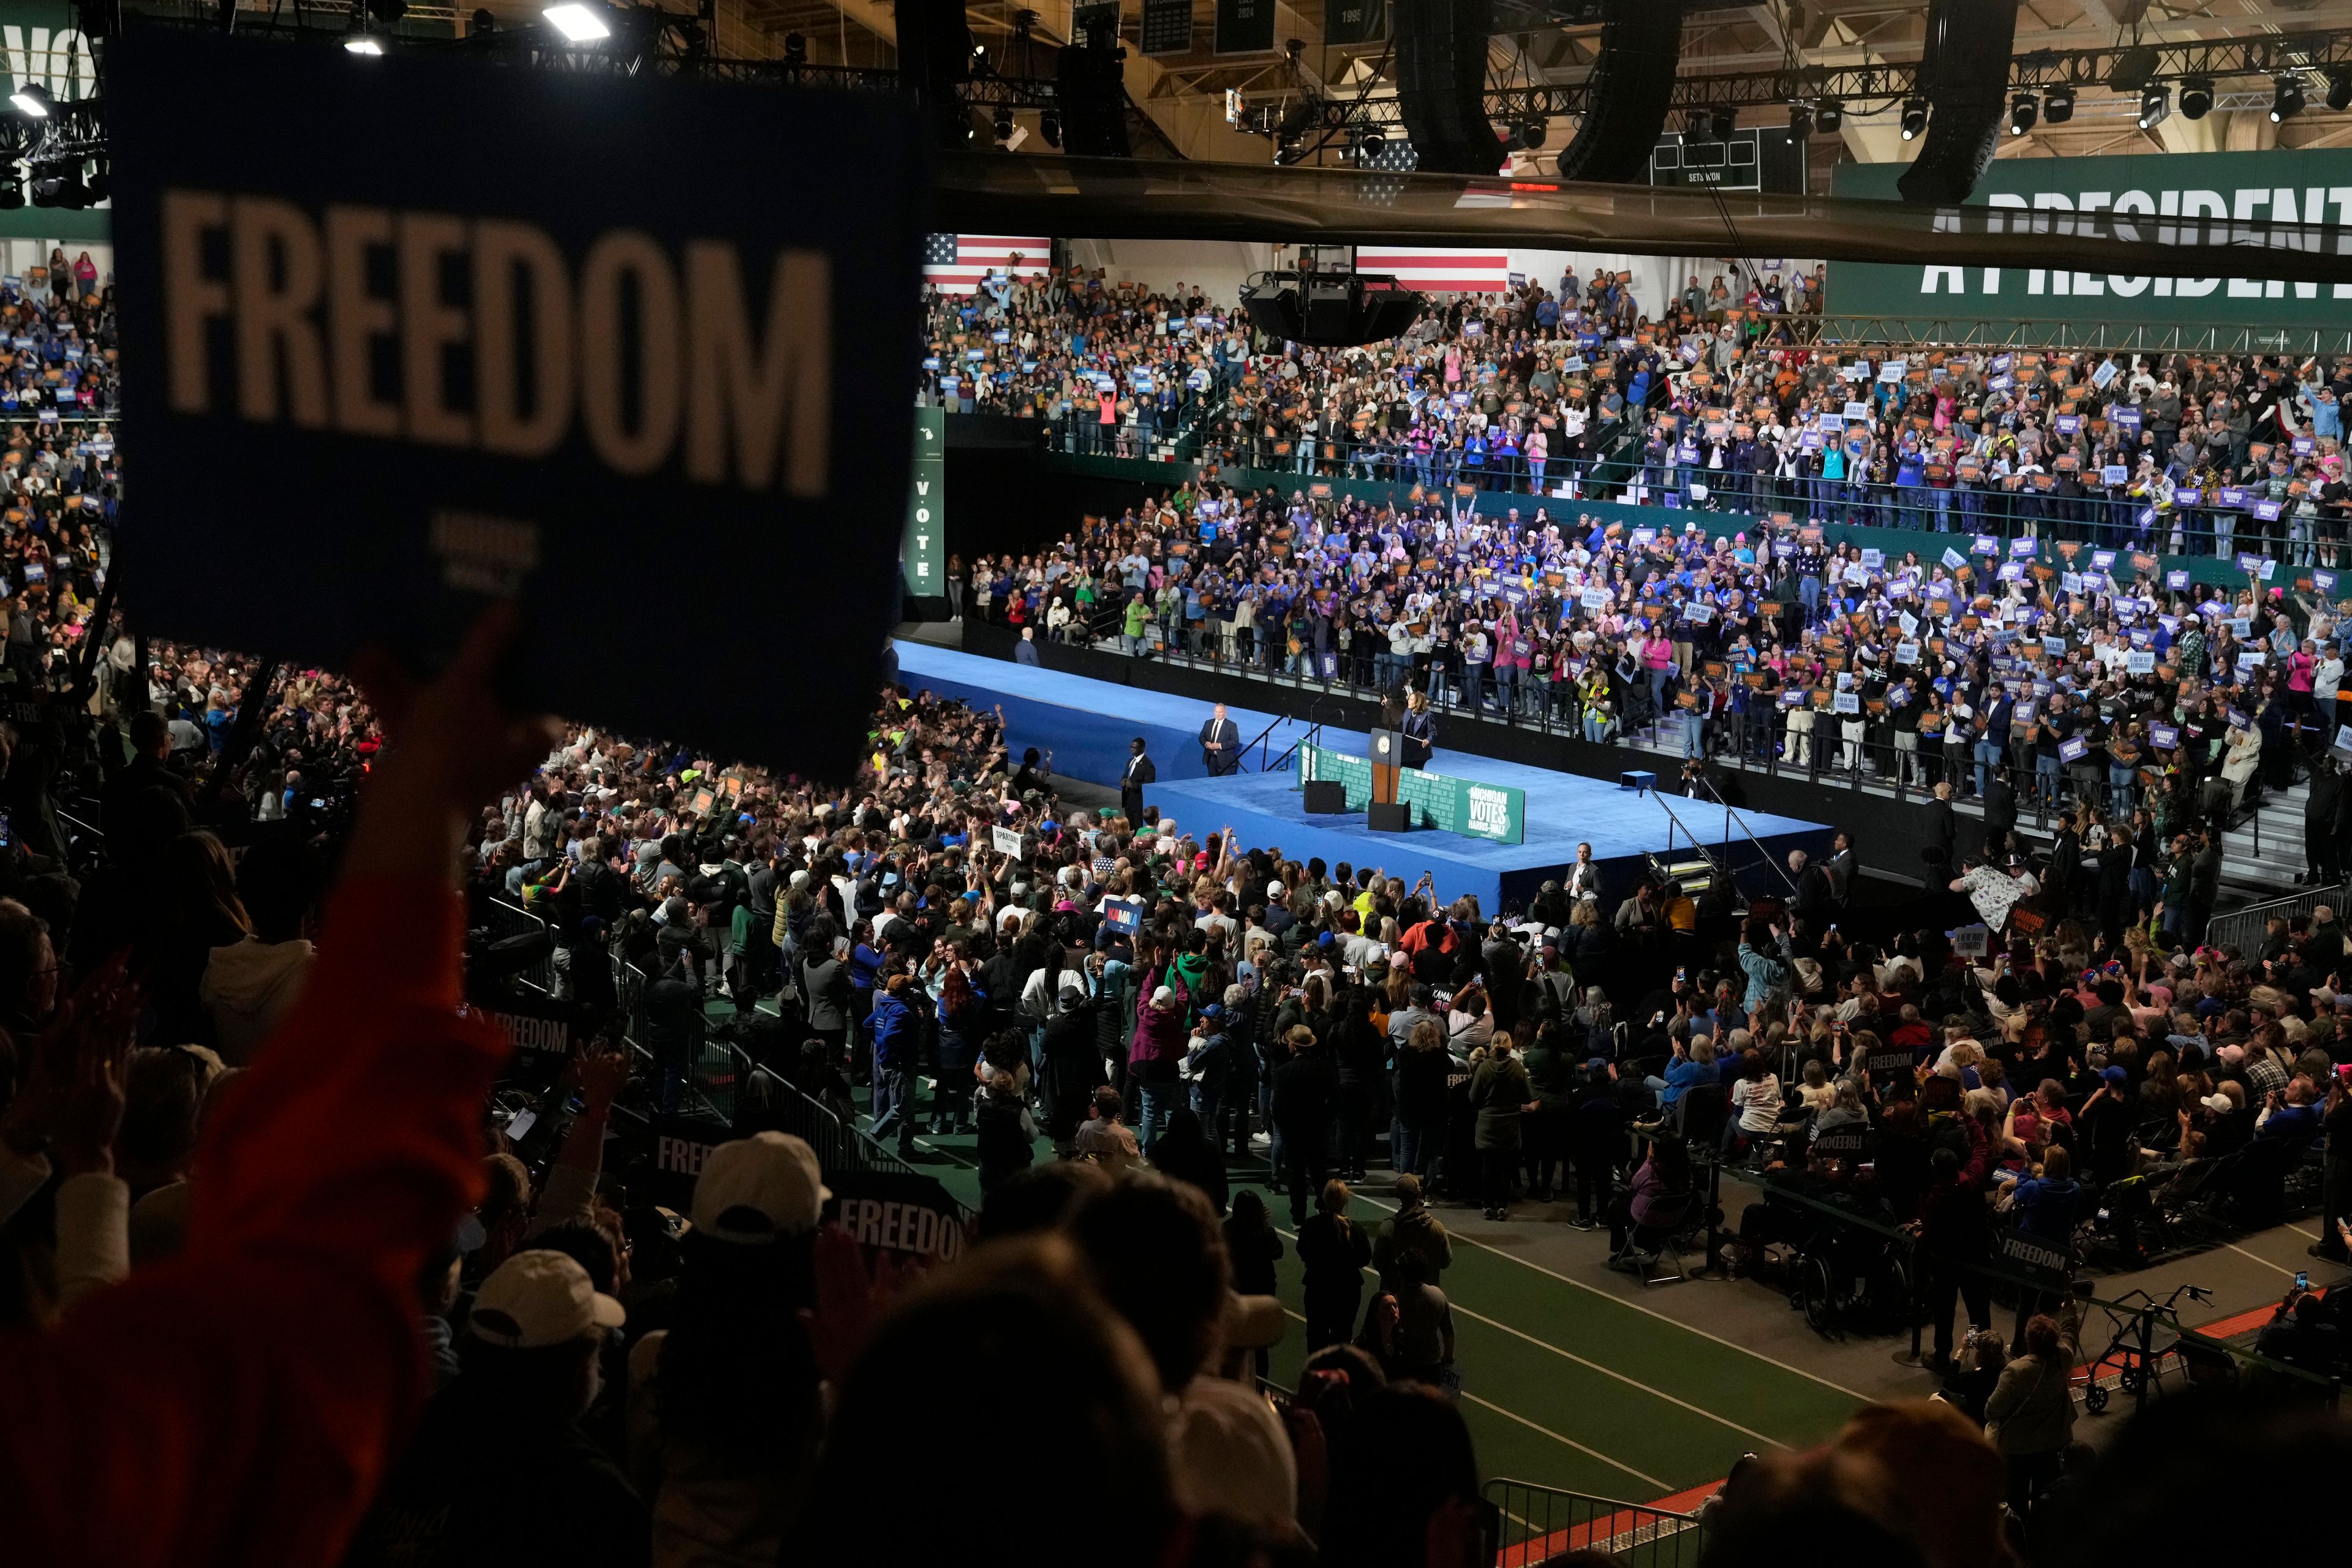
x: 1140, y: 771
x: 1221, y: 745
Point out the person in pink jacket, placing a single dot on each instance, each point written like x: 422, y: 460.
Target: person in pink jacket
x: 1657, y: 657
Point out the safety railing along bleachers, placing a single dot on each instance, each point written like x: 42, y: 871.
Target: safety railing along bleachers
x: 2243, y: 929
x: 509, y: 919
x: 1540, y: 1523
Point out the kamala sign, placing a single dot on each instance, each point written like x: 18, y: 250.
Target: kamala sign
x: 2168, y: 198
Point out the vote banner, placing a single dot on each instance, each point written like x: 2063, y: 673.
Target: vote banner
x: 1245, y: 26
x: 922, y: 551
x: 497, y: 363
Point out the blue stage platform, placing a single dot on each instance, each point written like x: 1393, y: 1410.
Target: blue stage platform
x: 1089, y: 722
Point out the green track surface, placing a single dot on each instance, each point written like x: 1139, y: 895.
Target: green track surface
x: 1564, y: 1384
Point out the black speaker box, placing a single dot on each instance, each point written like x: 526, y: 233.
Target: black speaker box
x: 1326, y: 797
x: 1092, y: 90
x: 1440, y: 75
x: 1396, y: 816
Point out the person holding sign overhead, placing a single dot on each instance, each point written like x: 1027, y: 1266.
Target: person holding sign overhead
x: 1221, y: 745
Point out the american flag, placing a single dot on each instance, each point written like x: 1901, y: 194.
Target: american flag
x: 1441, y: 271
x: 955, y: 263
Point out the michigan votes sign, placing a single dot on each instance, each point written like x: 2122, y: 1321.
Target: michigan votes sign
x: 2132, y: 198
x: 1434, y: 800
x: 578, y: 329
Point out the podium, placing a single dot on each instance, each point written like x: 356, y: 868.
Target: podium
x: 1386, y: 814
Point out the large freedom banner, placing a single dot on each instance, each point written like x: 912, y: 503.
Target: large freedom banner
x: 583, y: 341
x: 2134, y: 196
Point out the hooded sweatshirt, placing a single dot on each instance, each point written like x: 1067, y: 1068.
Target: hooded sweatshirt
x: 248, y: 986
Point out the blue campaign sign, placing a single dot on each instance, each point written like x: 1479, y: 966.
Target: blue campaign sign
x: 503, y: 354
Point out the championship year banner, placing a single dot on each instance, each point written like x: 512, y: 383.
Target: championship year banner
x: 526, y: 358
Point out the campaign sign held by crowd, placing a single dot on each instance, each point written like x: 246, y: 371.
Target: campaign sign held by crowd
x: 537, y: 352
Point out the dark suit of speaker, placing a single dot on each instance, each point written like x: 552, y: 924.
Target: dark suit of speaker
x: 1140, y: 771
x: 1441, y: 54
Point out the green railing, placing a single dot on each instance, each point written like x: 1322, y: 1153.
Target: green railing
x: 1539, y: 1523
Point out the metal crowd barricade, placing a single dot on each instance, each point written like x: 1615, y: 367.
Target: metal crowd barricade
x: 509, y: 919
x: 1543, y: 1522
x: 2243, y: 929
x: 2136, y: 1359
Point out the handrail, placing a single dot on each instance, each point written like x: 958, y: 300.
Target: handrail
x: 1730, y: 818
x: 1550, y: 1523
x: 1271, y: 725
x: 1282, y: 763
x: 2235, y: 926
x: 1660, y: 796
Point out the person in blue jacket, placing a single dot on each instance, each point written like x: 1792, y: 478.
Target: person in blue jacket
x: 897, y: 1029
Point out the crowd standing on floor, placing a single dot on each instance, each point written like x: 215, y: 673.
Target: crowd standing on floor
x: 2148, y: 709
x: 288, y: 1280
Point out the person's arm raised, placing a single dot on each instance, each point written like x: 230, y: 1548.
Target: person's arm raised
x: 267, y: 1374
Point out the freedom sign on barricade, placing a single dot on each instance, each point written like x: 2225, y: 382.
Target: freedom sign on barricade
x: 499, y: 359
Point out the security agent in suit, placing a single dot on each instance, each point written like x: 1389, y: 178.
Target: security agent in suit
x: 1140, y: 771
x: 1221, y: 745
x: 1840, y: 868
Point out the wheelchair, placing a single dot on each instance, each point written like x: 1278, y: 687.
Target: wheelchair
x: 1844, y: 1276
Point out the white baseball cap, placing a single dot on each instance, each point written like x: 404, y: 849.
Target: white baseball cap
x: 755, y: 1189
x: 537, y: 1298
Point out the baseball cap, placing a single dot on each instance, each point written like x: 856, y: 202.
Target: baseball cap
x: 2113, y: 1075
x: 755, y: 1189
x: 1252, y: 1322
x: 537, y: 1299
x: 1274, y: 891
x: 2218, y: 1104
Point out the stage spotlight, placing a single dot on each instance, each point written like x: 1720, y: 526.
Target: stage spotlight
x: 1049, y: 126
x: 2286, y: 99
x: 1800, y: 120
x: 2058, y: 105
x: 2155, y: 106
x: 580, y: 23
x: 362, y: 44
x: 1532, y: 133
x: 1828, y: 115
x: 2339, y: 89
x: 1003, y: 125
x: 1722, y: 121
x: 2023, y: 112
x: 1915, y: 118
x: 12, y: 196
x: 32, y: 101
x: 795, y: 49
x: 2196, y: 99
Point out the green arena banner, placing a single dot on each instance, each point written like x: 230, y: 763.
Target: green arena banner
x: 2312, y: 186
x: 1245, y: 26
x: 1466, y: 806
x: 1355, y: 21
x: 921, y: 553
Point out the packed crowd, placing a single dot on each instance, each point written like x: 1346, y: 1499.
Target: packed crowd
x: 1708, y: 400
x: 1146, y: 1026
x: 2086, y: 680
x: 279, y: 1287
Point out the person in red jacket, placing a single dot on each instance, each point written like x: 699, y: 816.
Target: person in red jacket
x: 239, y: 1404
